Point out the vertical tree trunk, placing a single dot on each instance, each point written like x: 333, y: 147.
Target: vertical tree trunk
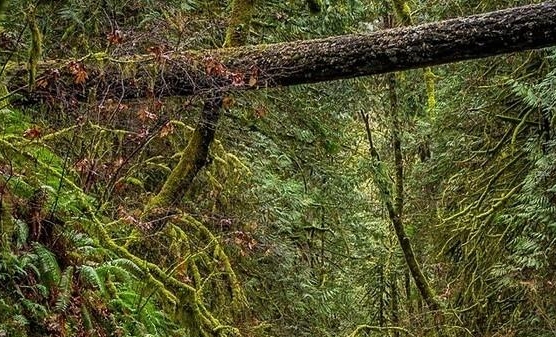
x: 382, y: 292
x: 240, y: 23
x: 3, y: 6
x: 394, y: 200
x: 395, y: 302
x: 408, y: 299
x: 395, y: 209
x: 194, y: 157
x: 396, y: 212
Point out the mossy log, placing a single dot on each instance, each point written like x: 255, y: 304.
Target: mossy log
x: 251, y: 67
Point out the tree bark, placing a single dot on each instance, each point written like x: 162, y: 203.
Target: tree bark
x: 187, y: 73
x: 192, y: 160
x: 195, y: 155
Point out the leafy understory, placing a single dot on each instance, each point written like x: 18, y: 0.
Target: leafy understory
x: 421, y: 203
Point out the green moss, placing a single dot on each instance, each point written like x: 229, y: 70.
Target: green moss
x: 13, y: 122
x: 403, y: 12
x: 240, y: 19
x: 36, y: 46
x: 431, y: 92
x: 177, y: 183
x: 7, y: 225
x: 2, y: 6
x: 238, y: 297
x: 4, y: 102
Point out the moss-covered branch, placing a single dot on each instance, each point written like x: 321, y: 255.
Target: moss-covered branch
x: 36, y: 45
x: 171, y: 290
x: 194, y: 157
x: 381, y: 329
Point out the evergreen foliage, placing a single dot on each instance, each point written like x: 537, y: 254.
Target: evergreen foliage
x: 286, y: 227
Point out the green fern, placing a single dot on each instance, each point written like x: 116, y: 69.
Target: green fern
x: 87, y: 319
x: 21, y: 233
x: 35, y: 310
x: 65, y: 289
x: 91, y: 277
x: 120, y: 274
x: 50, y: 270
x: 128, y: 265
x: 77, y: 238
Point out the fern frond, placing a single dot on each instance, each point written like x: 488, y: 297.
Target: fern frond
x: 86, y: 316
x: 128, y: 265
x: 21, y: 233
x: 65, y: 288
x: 525, y: 92
x: 90, y: 276
x: 121, y: 274
x: 36, y: 311
x: 50, y: 270
x: 78, y: 239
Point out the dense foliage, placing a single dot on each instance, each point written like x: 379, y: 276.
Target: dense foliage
x: 289, y: 227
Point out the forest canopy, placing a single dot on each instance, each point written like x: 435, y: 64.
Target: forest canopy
x: 208, y: 168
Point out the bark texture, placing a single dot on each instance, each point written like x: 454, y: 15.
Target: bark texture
x: 195, y: 155
x: 192, y: 160
x: 187, y: 73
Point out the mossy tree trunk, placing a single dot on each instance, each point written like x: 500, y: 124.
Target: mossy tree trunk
x: 195, y: 155
x: 240, y: 23
x: 395, y: 208
x: 395, y: 302
x: 391, y: 193
x: 395, y: 212
x: 252, y: 67
x: 7, y: 225
x: 35, y: 50
x: 192, y: 160
x: 3, y: 4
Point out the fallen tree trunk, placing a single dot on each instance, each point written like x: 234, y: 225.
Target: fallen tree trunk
x: 187, y: 73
